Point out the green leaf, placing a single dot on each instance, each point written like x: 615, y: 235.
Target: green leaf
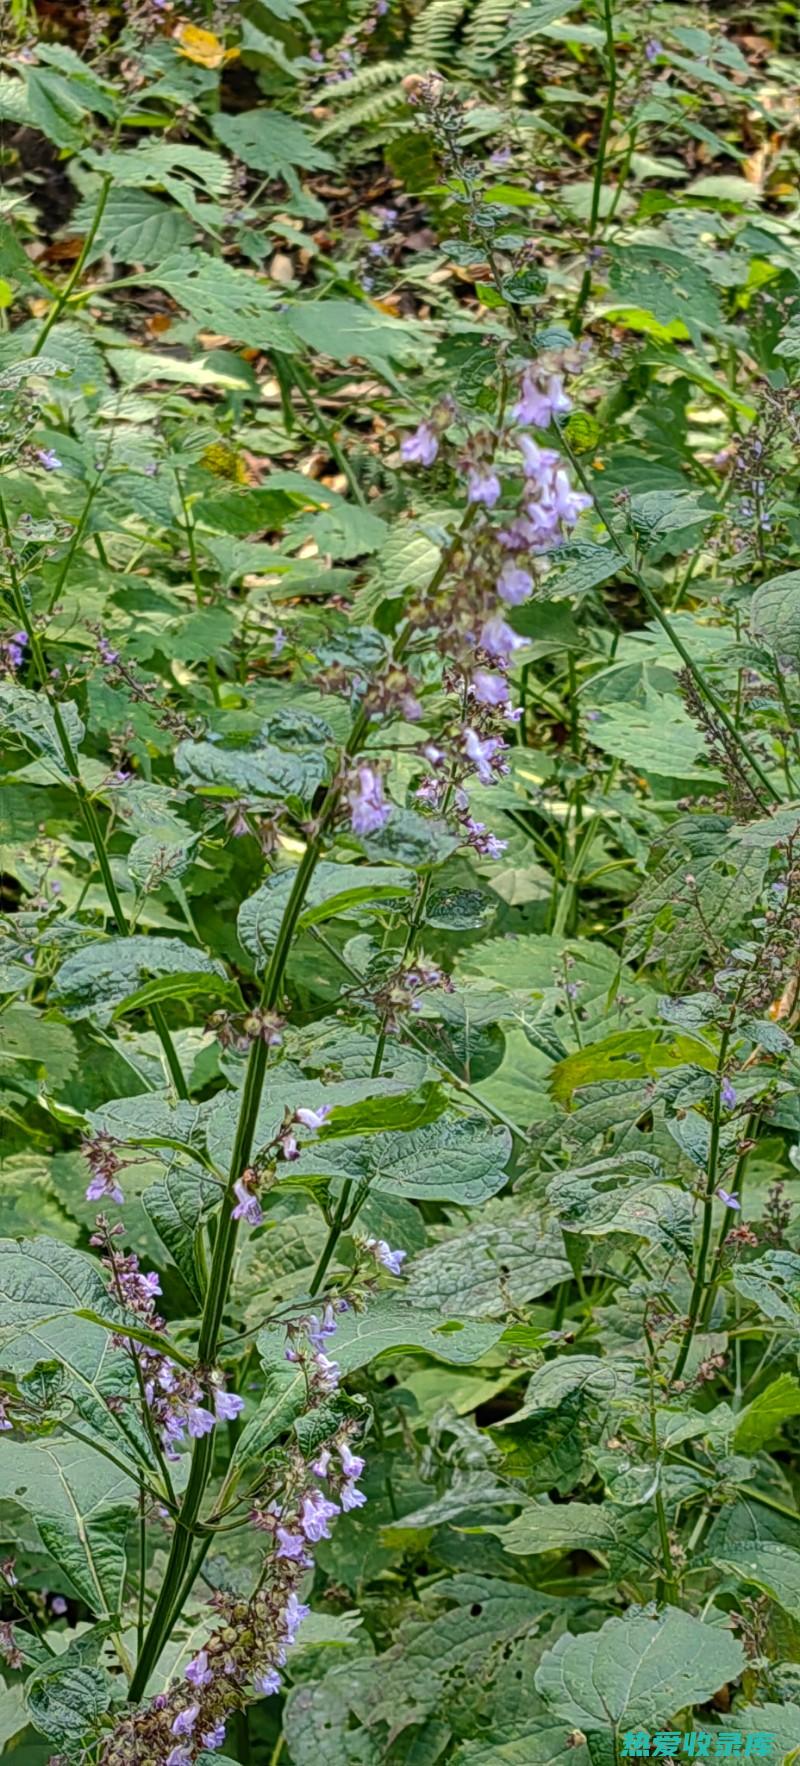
x: 760, y: 1421
x: 629, y: 1054
x: 349, y: 330
x: 773, y: 1568
x: 81, y: 1506
x: 220, y: 297
x: 41, y: 1279
x: 269, y: 141
x: 456, y: 1159
x: 334, y: 889
x: 561, y: 1526
x: 772, y: 1282
x: 490, y: 1267
x: 391, y: 1323
x: 624, y: 1195
x: 28, y: 717
x: 136, y: 228
x: 775, y: 615
x: 655, y: 737
x: 259, y: 771
x: 637, y: 1672
x: 176, y: 1205
x: 66, y: 1700
x: 94, y: 981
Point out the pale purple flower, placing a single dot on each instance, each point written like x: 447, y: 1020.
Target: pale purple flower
x: 48, y: 458
x: 499, y: 640
x: 247, y: 1207
x: 352, y: 1463
x: 12, y: 651
x: 481, y: 751
x: 185, y: 1721
x: 320, y: 1465
x: 729, y: 1200
x: 200, y: 1421
x: 268, y: 1682
x: 104, y: 1189
x: 317, y: 1512
x: 351, y: 1497
x: 213, y: 1738
x: 319, y: 1329
x: 287, y: 1145
x: 290, y: 1545
x: 369, y: 809
x: 58, y: 1606
x: 328, y: 1373
x: 179, y: 1757
x: 568, y: 503
x: 293, y: 1616
x: 198, y: 1672
x: 539, y: 462
x: 483, y: 486
x: 540, y: 402
x: 383, y: 1253
x: 313, y: 1118
x: 227, y: 1405
x: 5, y: 1425
x: 728, y: 1095
x: 489, y: 689
x: 488, y: 845
x: 653, y: 48
x: 514, y: 585
x: 421, y: 448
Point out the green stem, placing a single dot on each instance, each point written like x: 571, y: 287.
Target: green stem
x: 85, y: 803
x: 599, y: 170
x: 701, y: 681
x: 698, y: 1288
x: 75, y: 274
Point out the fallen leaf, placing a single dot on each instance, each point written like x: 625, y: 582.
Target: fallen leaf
x: 202, y: 47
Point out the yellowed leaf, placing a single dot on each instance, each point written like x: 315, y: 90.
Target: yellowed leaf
x: 202, y: 47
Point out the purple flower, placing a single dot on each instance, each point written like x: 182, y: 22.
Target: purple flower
x: 290, y: 1545
x: 185, y: 1721
x: 514, y: 585
x: 320, y: 1329
x: 539, y: 462
x: 293, y: 1617
x: 729, y: 1200
x: 247, y: 1207
x: 483, y: 486
x: 107, y: 655
x: 48, y: 458
x: 499, y: 640
x: 421, y: 448
x: 728, y: 1095
x: 327, y: 1373
x: 179, y: 1757
x: 104, y: 1188
x: 198, y: 1672
x: 369, y: 809
x: 5, y: 1425
x: 653, y: 48
x: 12, y: 651
x: 489, y: 689
x: 481, y: 751
x: 539, y: 404
x: 352, y: 1463
x: 287, y: 1145
x: 227, y: 1406
x: 213, y: 1738
x: 58, y: 1606
x: 483, y: 842
x: 317, y: 1512
x: 313, y: 1118
x: 269, y: 1681
x: 351, y: 1497
x: 200, y: 1421
x: 383, y: 1253
x: 320, y: 1465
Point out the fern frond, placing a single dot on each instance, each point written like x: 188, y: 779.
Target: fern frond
x: 369, y: 77
x: 434, y: 32
x: 487, y: 27
x: 376, y: 107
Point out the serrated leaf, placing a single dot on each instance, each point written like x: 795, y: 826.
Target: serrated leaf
x: 269, y: 141
x: 94, y: 981
x: 81, y: 1506
x: 638, y: 1671
x: 334, y: 889
x: 259, y: 771
x: 456, y: 1159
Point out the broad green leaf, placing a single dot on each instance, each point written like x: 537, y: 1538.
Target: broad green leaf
x: 65, y: 1700
x: 176, y: 1205
x: 348, y: 330
x: 81, y: 1505
x: 772, y: 1282
x: 760, y: 1420
x: 95, y: 980
x: 624, y: 1196
x: 656, y: 737
x: 775, y: 615
x: 489, y: 1267
x: 41, y: 1279
x: 637, y: 1671
x: 773, y: 1568
x: 260, y: 771
x: 334, y: 889
x: 457, y: 1159
x: 629, y: 1054
x: 269, y: 141
x: 391, y: 1323
x: 220, y: 297
x: 556, y: 1526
